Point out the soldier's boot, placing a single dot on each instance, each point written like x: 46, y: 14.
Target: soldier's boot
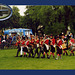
x: 70, y: 54
x: 49, y: 56
x: 29, y: 55
x: 21, y: 55
x: 73, y: 54
x: 66, y: 54
x: 53, y: 57
x: 43, y: 56
x: 38, y: 55
x: 63, y: 54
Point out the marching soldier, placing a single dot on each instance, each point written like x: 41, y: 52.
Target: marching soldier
x: 26, y: 47
x: 46, y: 47
x: 59, y: 47
x: 18, y: 45
x: 22, y: 46
x: 64, y: 44
x: 37, y: 46
x: 41, y: 47
x: 52, y: 44
x: 32, y: 40
x: 71, y: 45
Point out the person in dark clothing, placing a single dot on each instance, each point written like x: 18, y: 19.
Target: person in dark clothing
x: 46, y: 47
x: 0, y: 42
x: 19, y: 48
x: 52, y: 45
x: 59, y: 48
x: 41, y: 47
x: 31, y: 46
x: 37, y: 46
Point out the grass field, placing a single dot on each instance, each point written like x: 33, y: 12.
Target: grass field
x: 9, y: 62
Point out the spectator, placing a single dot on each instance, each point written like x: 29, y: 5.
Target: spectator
x: 0, y: 39
x: 14, y: 39
x: 71, y: 35
x: 3, y: 41
x: 7, y: 41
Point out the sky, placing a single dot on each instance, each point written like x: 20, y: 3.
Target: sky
x: 22, y: 8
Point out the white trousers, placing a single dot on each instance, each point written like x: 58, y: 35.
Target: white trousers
x: 37, y: 45
x: 21, y: 52
x: 47, y: 46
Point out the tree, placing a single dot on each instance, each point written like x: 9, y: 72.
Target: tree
x: 55, y: 19
x: 15, y: 19
x: 47, y: 16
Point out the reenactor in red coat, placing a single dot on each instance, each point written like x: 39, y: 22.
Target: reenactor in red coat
x: 59, y: 47
x: 31, y: 45
x: 40, y: 47
x: 52, y: 44
x: 71, y: 45
x: 46, y: 46
x: 22, y: 43
x: 36, y: 46
x: 26, y: 46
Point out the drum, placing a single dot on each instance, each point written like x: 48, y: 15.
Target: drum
x: 64, y: 46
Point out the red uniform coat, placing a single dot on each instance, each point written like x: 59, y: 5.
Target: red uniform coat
x: 41, y: 43
x: 17, y: 43
x: 37, y: 41
x: 72, y: 40
x: 53, y: 41
x: 27, y: 42
x: 23, y: 42
x: 32, y: 41
x: 0, y: 40
x: 59, y: 43
x: 46, y: 41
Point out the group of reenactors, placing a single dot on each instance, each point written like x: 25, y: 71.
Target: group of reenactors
x: 45, y: 45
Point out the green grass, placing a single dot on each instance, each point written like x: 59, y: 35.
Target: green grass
x: 9, y: 62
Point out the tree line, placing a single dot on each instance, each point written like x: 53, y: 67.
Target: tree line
x: 54, y: 19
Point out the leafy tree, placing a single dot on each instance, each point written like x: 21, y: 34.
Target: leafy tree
x: 15, y: 19
x: 55, y: 19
